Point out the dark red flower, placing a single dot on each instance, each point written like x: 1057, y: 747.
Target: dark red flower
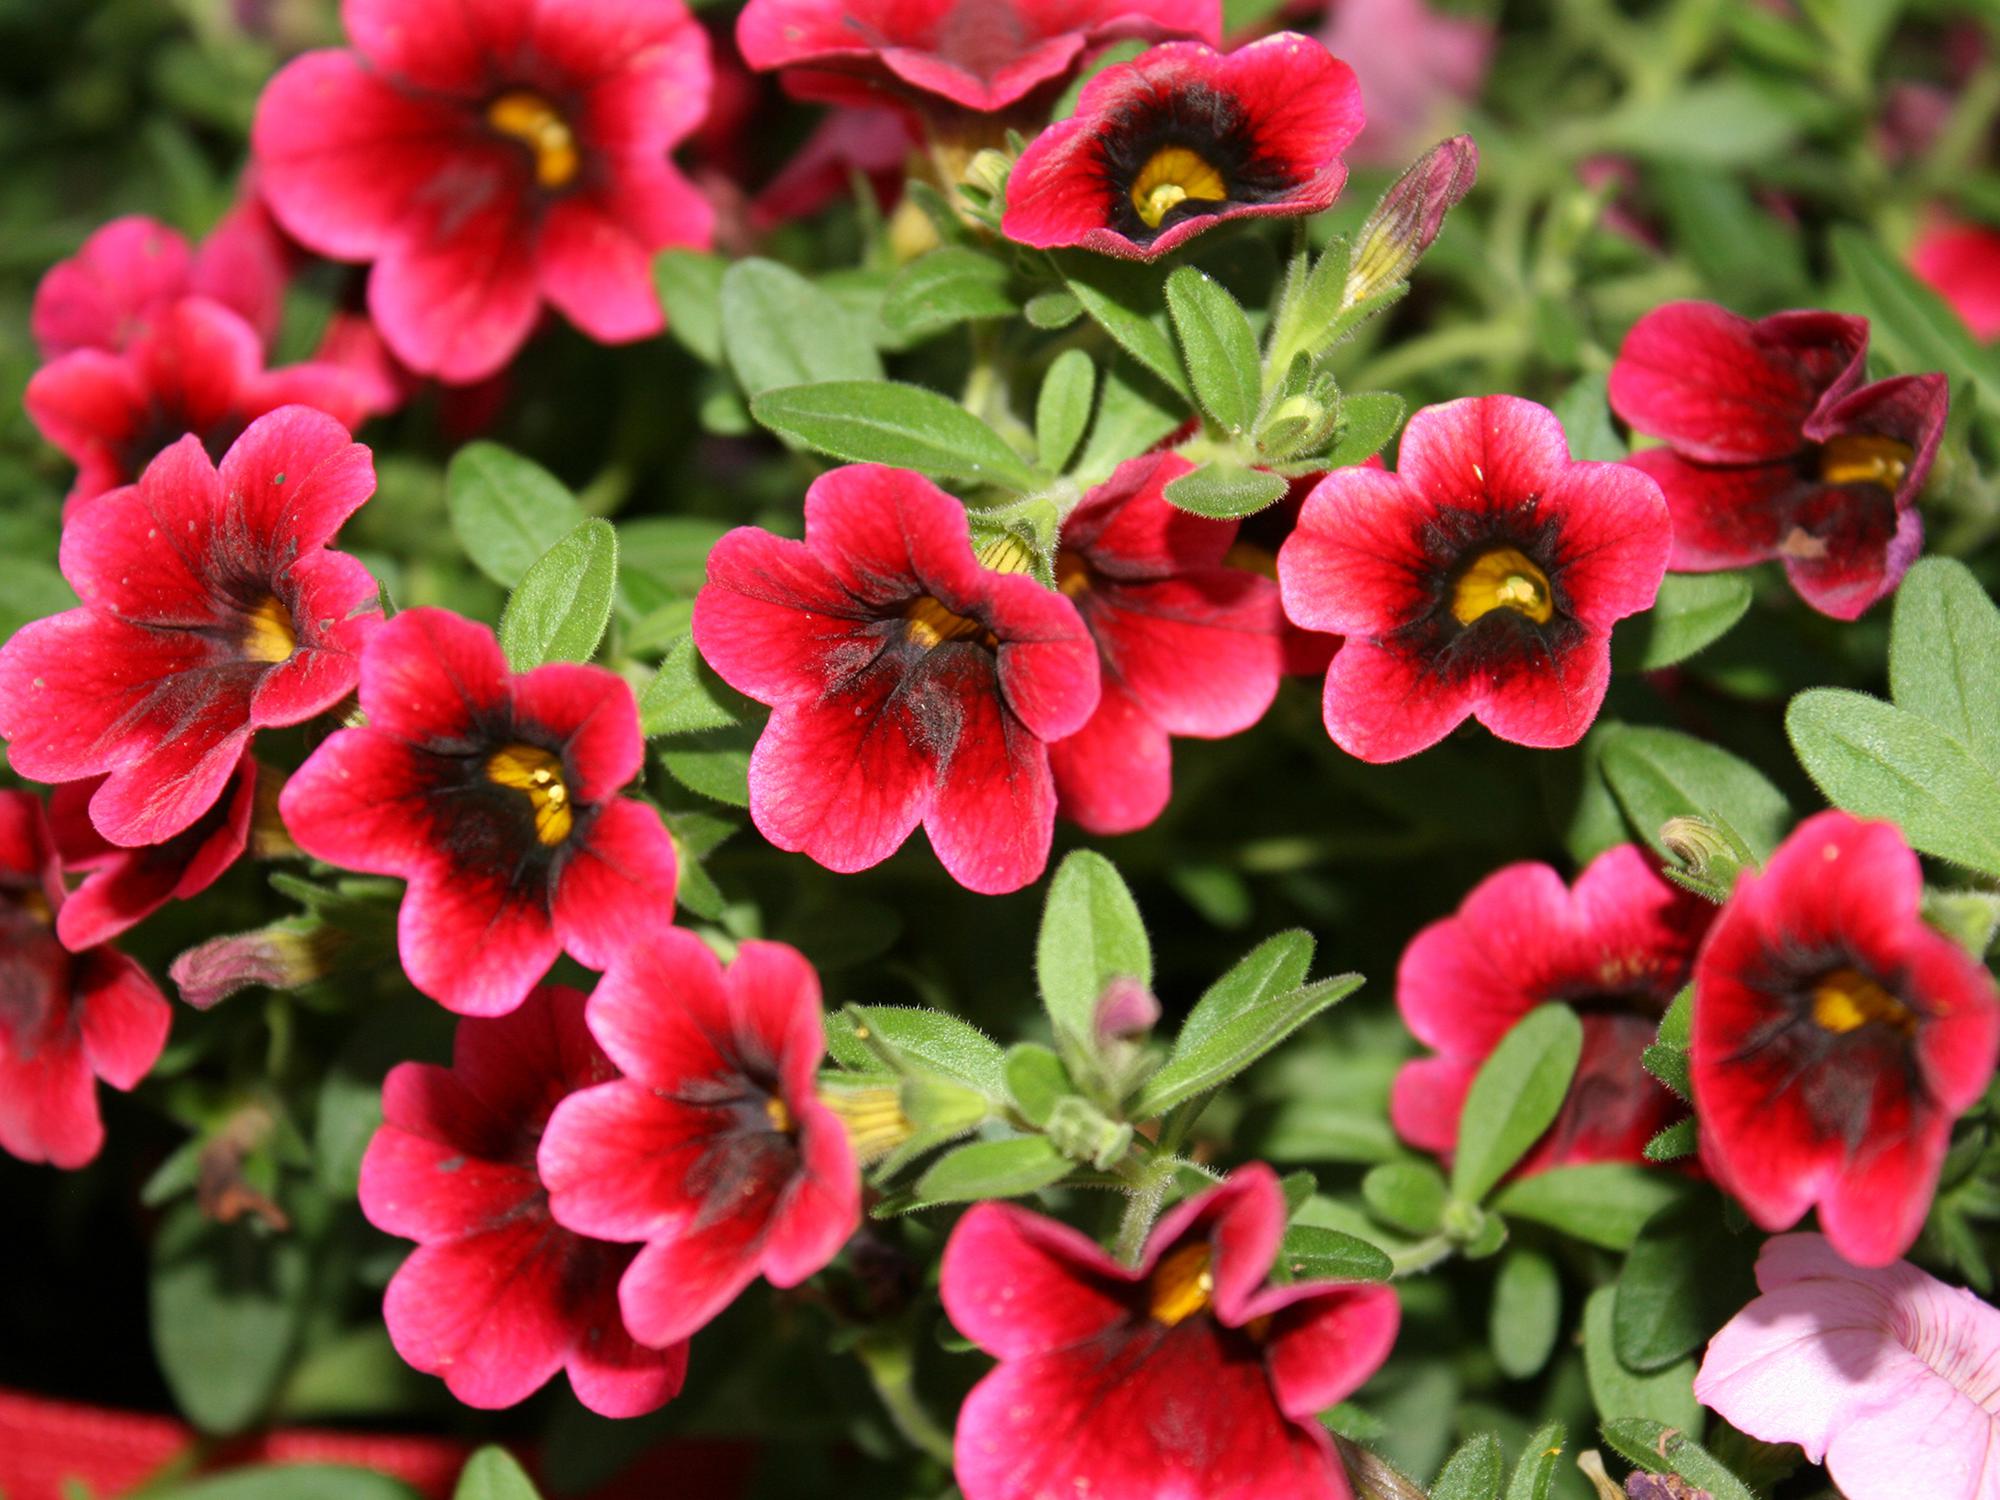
x: 1481, y: 578
x: 981, y: 55
x: 211, y: 609
x: 909, y: 684
x: 1185, y: 1375
x: 66, y: 1019
x: 192, y: 367
x: 1184, y: 137
x: 489, y: 158
x: 496, y: 797
x: 498, y: 1296
x: 1962, y: 264
x: 1186, y: 645
x: 713, y: 1149
x: 1836, y: 1038
x: 1616, y: 950
x: 124, y: 886
x: 1777, y: 450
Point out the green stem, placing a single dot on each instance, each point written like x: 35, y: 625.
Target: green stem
x: 1141, y: 1208
x: 1420, y: 1257
x: 892, y: 1370
x: 1447, y: 346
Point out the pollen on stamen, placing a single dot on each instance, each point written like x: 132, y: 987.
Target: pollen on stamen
x: 268, y: 635
x: 1183, y: 1285
x: 538, y: 774
x: 525, y: 116
x: 1171, y: 176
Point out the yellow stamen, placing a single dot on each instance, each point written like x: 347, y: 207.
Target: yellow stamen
x: 779, y: 1116
x: 525, y: 116
x: 1171, y: 176
x: 1183, y: 1285
x: 873, y: 1118
x: 932, y: 624
x: 1503, y: 578
x: 1847, y: 999
x: 1007, y: 553
x: 1072, y: 574
x: 1859, y: 459
x: 268, y: 635
x: 36, y: 904
x: 533, y: 770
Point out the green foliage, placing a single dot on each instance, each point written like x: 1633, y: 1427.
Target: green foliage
x: 560, y: 608
x: 506, y: 511
x: 1515, y: 1097
x: 493, y: 1474
x: 888, y: 422
x: 1526, y: 1315
x: 1091, y: 934
x: 778, y: 329
x: 227, y: 1301
x: 1218, y: 346
x: 1474, y: 1472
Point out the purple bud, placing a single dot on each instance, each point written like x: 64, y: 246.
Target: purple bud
x: 1126, y: 1009
x: 278, y: 958
x: 1409, y: 217
x: 1662, y: 1487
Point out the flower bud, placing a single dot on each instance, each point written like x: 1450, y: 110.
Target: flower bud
x: 278, y: 958
x: 1082, y: 1132
x: 872, y: 1115
x: 1125, y: 1010
x: 1374, y: 1478
x: 988, y: 172
x: 1704, y: 852
x: 1409, y: 217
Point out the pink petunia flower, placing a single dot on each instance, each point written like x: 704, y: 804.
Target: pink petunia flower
x: 498, y: 1297
x: 487, y: 159
x: 1776, y: 449
x: 1418, y: 69
x: 66, y: 1019
x: 1962, y: 264
x: 1186, y: 645
x: 714, y: 1150
x: 1185, y: 1377
x: 1836, y: 1038
x: 909, y: 684
x: 1886, y: 1376
x: 1616, y: 949
x: 123, y: 886
x: 1481, y: 579
x: 979, y: 55
x: 211, y: 609
x: 1182, y: 138
x: 496, y: 797
x: 192, y: 366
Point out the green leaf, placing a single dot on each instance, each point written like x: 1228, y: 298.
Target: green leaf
x: 778, y: 329
x: 1036, y: 1080
x: 1406, y: 1195
x: 1585, y: 413
x: 992, y: 1169
x: 1944, y: 655
x: 1880, y: 762
x: 1536, y: 1472
x: 1725, y: 122
x: 1125, y: 301
x: 1678, y: 1140
x: 686, y: 697
x: 1308, y: 306
x: 690, y: 286
x: 951, y: 285
x: 1062, y: 410
x: 715, y: 763
x: 1515, y: 1097
x: 1310, y: 1253
x: 1665, y: 1395
x: 890, y: 422
x: 226, y: 1305
x: 1091, y: 934
x: 668, y: 552
x: 1131, y: 417
x: 506, y: 511
x: 1693, y: 610
x: 1527, y: 1313
x: 1277, y: 964
x: 493, y: 1474
x: 1230, y: 1048
x: 1604, y: 1204
x: 1474, y: 1472
x: 1051, y: 310
x: 1671, y: 1066
x: 1222, y: 491
x: 560, y: 608
x: 288, y: 1482
x: 1684, y: 1277
x: 1659, y: 1449
x: 1368, y: 420
x: 1658, y: 774
x: 1914, y: 323
x: 1732, y: 239
x: 953, y: 1047
x: 1219, y: 347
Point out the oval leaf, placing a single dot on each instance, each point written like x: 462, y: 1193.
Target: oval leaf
x: 1515, y: 1098
x: 505, y: 510
x: 889, y: 422
x: 992, y: 1169
x: 563, y: 603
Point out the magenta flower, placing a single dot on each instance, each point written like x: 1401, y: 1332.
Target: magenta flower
x: 1886, y: 1376
x: 714, y: 1151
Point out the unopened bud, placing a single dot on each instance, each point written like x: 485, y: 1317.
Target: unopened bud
x: 1408, y: 218
x: 1662, y: 1487
x: 1297, y: 424
x: 1125, y: 1010
x: 1082, y: 1132
x: 1703, y: 851
x: 278, y: 958
x: 269, y: 838
x: 1374, y: 1478
x: 873, y: 1117
x: 988, y: 171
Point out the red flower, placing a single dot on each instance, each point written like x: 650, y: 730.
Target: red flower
x: 1616, y: 949
x: 1186, y: 645
x: 132, y: 270
x: 870, y: 143
x: 1777, y: 450
x: 908, y: 683
x: 488, y: 158
x: 192, y: 367
x: 1482, y: 578
x: 1836, y: 1037
x: 125, y: 886
x: 1962, y: 263
x: 184, y: 648
x: 495, y: 796
x: 66, y: 1020
x: 1184, y: 137
x: 1186, y: 1375
x: 498, y: 1297
x: 714, y: 1149
x: 982, y: 55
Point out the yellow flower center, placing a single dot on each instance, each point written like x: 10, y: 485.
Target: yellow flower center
x: 1072, y: 574
x: 1502, y: 578
x: 1171, y: 176
x: 1859, y: 459
x: 267, y: 634
x: 779, y: 1116
x: 535, y: 772
x: 525, y: 116
x: 1847, y: 999
x: 1183, y: 1285
x: 931, y: 624
x: 35, y: 903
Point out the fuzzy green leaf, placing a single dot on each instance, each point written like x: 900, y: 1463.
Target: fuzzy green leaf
x: 1515, y: 1097
x: 562, y: 604
x: 890, y: 422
